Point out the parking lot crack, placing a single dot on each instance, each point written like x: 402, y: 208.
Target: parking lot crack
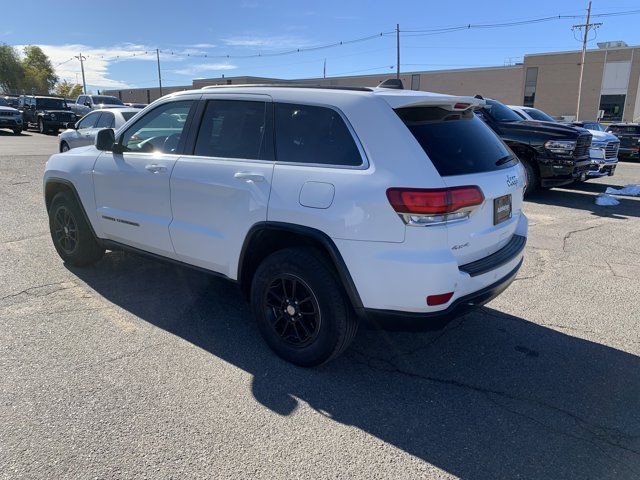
x: 568, y: 235
x: 34, y: 291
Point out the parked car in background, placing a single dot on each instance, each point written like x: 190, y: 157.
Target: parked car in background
x: 10, y: 117
x: 12, y: 100
x: 308, y: 198
x: 603, y: 152
x: 85, y: 103
x: 47, y: 114
x: 84, y: 131
x: 629, y: 136
x: 136, y: 105
x: 552, y: 154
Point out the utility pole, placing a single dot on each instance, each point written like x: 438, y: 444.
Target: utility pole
x: 159, y: 76
x: 586, y: 27
x: 84, y: 83
x: 397, y: 50
x: 324, y: 69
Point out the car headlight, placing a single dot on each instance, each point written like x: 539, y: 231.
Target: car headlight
x: 562, y: 147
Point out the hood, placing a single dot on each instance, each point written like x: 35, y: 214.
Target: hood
x: 551, y: 129
x: 599, y: 136
x: 8, y: 109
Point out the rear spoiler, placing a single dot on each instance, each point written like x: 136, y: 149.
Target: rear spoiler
x: 448, y: 102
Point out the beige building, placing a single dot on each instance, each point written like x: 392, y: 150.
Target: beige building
x: 548, y: 81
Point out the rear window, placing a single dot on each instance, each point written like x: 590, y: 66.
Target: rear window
x: 625, y: 129
x: 457, y: 143
x: 128, y: 115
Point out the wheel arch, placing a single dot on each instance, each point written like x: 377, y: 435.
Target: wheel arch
x: 265, y: 238
x: 55, y: 185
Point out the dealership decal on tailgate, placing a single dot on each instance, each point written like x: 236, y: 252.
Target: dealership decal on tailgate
x: 501, y: 209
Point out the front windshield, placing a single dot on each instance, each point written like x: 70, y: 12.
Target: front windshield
x: 539, y: 115
x: 51, y: 104
x: 500, y: 112
x: 593, y: 126
x: 106, y: 100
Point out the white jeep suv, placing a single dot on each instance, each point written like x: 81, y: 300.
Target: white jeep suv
x: 325, y: 205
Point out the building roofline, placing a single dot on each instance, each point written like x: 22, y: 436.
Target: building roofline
x: 564, y: 52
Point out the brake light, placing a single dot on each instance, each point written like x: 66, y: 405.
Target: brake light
x: 421, y: 206
x: 461, y: 106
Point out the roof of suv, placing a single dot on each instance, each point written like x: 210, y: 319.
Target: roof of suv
x: 396, y: 98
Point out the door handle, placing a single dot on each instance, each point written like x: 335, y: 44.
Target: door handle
x: 153, y: 168
x: 249, y: 177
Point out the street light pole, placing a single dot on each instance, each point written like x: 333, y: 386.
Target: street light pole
x: 397, y: 50
x: 586, y: 27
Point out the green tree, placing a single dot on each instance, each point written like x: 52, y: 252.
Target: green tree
x: 11, y: 70
x: 39, y: 74
x: 67, y: 89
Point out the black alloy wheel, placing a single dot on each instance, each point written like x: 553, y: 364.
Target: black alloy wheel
x: 65, y: 230
x: 292, y: 310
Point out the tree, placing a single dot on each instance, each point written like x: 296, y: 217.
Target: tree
x: 11, y: 70
x: 39, y: 75
x: 67, y: 90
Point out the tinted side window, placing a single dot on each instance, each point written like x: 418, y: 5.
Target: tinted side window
x: 159, y: 130
x: 89, y: 121
x: 106, y: 120
x: 312, y: 134
x: 234, y: 129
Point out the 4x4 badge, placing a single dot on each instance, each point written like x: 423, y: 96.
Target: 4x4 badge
x: 512, y: 180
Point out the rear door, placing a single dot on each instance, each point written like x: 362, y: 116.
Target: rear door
x: 466, y: 152
x: 221, y: 187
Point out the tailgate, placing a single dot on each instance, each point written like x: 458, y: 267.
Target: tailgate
x: 489, y: 227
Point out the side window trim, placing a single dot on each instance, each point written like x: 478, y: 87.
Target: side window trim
x: 363, y: 155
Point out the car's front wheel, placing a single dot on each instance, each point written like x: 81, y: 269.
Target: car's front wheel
x: 41, y: 128
x: 17, y: 131
x: 71, y: 234
x: 301, y: 308
x: 64, y: 147
x: 533, y: 179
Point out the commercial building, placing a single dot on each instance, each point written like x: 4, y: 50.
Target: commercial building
x: 548, y: 81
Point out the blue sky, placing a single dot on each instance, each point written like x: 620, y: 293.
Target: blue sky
x: 186, y: 31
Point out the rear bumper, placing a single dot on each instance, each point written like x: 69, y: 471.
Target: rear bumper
x: 414, y: 321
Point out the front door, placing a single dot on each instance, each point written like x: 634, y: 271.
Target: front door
x: 222, y: 190
x: 132, y: 188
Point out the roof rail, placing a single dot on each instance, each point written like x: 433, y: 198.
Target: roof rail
x: 290, y: 85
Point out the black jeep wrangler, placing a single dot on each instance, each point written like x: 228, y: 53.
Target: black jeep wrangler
x: 552, y: 154
x: 47, y: 114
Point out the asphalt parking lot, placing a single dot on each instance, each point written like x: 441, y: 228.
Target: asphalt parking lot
x: 135, y: 368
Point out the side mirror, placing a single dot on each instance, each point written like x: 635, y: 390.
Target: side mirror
x: 106, y: 140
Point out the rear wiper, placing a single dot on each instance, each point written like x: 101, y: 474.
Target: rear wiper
x: 503, y: 160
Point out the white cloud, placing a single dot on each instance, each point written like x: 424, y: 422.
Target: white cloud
x: 203, y: 67
x: 278, y: 41
x: 97, y: 62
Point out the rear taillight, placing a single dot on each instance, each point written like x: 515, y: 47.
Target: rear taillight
x: 422, y: 206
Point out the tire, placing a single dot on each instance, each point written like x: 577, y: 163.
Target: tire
x: 285, y: 317
x: 64, y: 147
x: 533, y: 179
x: 41, y: 128
x: 71, y: 234
x: 17, y: 131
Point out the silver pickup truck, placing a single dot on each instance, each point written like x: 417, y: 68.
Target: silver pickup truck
x: 85, y: 103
